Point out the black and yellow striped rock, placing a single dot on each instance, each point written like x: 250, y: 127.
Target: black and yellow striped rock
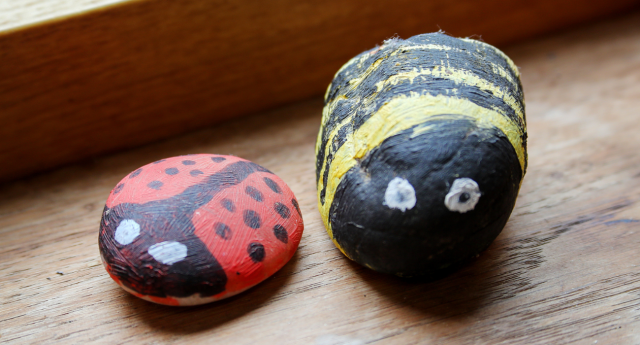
x: 421, y: 153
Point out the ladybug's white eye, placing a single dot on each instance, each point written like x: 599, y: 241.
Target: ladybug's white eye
x: 463, y: 195
x: 127, y: 231
x: 168, y: 252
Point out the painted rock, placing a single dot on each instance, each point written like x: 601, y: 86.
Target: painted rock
x: 421, y: 153
x: 194, y: 229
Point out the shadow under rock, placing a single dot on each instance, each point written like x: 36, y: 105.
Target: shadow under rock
x: 450, y: 294
x: 187, y: 320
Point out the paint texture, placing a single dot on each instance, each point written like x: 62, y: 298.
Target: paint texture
x: 194, y: 229
x: 406, y: 120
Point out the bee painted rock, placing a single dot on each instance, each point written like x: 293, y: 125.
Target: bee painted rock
x: 194, y: 229
x: 421, y: 153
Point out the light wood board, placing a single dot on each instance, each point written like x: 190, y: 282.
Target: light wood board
x: 21, y: 13
x: 566, y: 268
x: 82, y: 78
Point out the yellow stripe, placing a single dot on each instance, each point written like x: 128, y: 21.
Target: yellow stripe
x: 328, y: 109
x: 460, y: 76
x: 513, y: 66
x: 355, y: 82
x: 327, y: 112
x: 329, y: 143
x: 359, y: 59
x: 497, y: 69
x: 349, y: 63
x: 402, y: 113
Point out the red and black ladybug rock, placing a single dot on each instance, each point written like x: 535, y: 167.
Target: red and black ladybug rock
x: 194, y: 229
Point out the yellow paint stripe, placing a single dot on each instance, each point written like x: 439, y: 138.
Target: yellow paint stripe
x: 328, y: 109
x: 497, y: 69
x: 329, y: 143
x: 513, y: 66
x: 359, y: 59
x: 402, y: 113
x: 345, y: 66
x: 459, y: 76
x: 355, y: 82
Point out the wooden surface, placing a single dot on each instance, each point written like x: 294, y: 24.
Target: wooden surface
x: 78, y: 79
x: 566, y: 269
x: 21, y: 13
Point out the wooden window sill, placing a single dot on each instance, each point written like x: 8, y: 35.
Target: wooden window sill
x: 564, y: 270
x: 83, y: 78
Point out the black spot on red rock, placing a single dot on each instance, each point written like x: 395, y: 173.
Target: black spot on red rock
x: 223, y: 231
x: 118, y: 188
x: 251, y: 219
x: 218, y: 159
x: 135, y: 173
x: 273, y: 185
x: 281, y: 233
x: 171, y: 171
x: 256, y: 251
x: 228, y: 204
x: 155, y: 185
x: 282, y: 210
x: 195, y: 173
x: 188, y: 162
x: 294, y: 202
x: 254, y: 193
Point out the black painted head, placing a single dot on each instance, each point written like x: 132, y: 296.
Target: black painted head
x: 401, y: 211
x: 152, y: 249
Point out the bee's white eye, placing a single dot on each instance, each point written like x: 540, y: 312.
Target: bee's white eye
x: 400, y: 195
x: 463, y: 195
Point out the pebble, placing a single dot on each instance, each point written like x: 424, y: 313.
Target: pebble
x: 194, y: 229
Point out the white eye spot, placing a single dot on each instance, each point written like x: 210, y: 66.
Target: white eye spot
x: 168, y: 252
x: 127, y: 231
x: 463, y: 195
x: 400, y: 194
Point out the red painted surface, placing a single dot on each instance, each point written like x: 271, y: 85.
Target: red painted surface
x: 241, y: 270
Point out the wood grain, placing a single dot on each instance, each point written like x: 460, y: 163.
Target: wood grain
x: 114, y: 77
x: 564, y: 270
x: 21, y: 13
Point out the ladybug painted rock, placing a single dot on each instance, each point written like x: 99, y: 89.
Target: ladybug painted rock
x: 194, y: 229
